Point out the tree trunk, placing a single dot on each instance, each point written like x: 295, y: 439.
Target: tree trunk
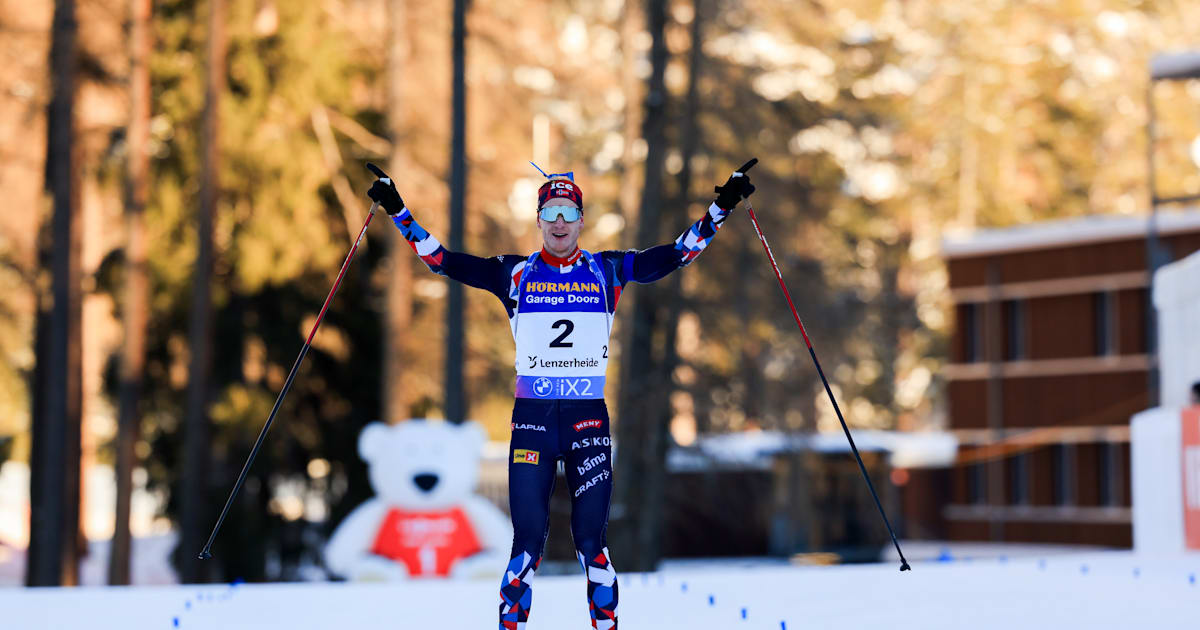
x: 194, y: 513
x: 45, y: 457
x: 677, y: 214
x: 398, y: 317
x: 137, y: 292
x: 455, y: 396
x: 54, y: 531
x: 631, y: 19
x: 641, y: 435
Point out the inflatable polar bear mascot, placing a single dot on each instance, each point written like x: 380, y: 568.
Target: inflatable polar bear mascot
x: 424, y: 520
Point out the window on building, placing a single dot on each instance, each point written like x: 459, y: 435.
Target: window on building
x: 1102, y: 317
x: 1108, y: 474
x: 1018, y: 473
x: 1062, y: 458
x: 976, y: 484
x: 1014, y: 330
x: 972, y: 332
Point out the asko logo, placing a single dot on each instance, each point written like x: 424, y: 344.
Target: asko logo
x: 587, y: 424
x: 590, y: 442
x: 524, y: 456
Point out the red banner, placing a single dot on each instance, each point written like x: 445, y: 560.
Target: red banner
x: 1191, y: 477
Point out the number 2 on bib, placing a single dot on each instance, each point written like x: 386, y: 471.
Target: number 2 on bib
x: 560, y: 341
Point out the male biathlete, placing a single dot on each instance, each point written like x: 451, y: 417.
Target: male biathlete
x: 560, y: 303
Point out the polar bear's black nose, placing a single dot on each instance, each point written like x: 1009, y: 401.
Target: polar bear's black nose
x: 425, y: 481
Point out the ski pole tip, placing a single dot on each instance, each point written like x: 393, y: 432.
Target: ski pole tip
x: 376, y: 170
x: 748, y: 165
x: 205, y: 555
x: 904, y: 566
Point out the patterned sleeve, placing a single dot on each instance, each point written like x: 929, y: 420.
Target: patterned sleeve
x: 490, y: 274
x: 654, y: 263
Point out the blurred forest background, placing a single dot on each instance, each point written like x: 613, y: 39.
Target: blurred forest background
x: 183, y: 178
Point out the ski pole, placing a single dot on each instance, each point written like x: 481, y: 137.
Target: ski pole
x: 206, y: 553
x: 813, y: 353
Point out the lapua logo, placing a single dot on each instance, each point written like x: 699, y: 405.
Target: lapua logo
x: 528, y: 427
x: 587, y: 424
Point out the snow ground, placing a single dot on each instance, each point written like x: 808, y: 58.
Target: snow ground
x: 1086, y: 590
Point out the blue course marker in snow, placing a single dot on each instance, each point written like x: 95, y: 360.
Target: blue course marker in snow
x: 1192, y: 579
x: 782, y: 625
x: 1042, y: 564
x: 175, y: 621
x: 187, y: 605
x: 743, y: 613
x: 1136, y: 572
x: 683, y: 587
x: 1083, y: 568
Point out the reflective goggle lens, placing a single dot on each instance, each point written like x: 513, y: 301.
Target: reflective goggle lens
x: 570, y: 214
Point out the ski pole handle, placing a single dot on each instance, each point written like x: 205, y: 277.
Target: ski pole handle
x: 748, y: 165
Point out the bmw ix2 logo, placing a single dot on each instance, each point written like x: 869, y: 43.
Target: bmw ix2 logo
x: 543, y: 386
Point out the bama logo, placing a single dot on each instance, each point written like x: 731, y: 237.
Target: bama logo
x: 524, y: 456
x: 587, y: 424
x: 586, y: 442
x: 528, y: 427
x: 591, y: 463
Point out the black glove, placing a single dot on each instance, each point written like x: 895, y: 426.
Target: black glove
x: 384, y: 192
x: 736, y: 188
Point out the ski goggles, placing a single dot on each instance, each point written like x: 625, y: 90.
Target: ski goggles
x: 549, y: 214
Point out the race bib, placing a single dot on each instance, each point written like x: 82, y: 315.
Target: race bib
x: 561, y: 333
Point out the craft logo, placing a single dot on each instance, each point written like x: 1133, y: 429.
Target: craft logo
x: 591, y: 483
x: 528, y: 427
x: 587, y: 424
x: 524, y: 456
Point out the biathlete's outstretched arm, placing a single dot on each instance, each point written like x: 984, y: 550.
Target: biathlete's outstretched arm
x: 489, y: 274
x: 496, y: 274
x: 654, y: 263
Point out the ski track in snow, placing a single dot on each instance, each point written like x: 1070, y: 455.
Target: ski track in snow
x: 1094, y: 590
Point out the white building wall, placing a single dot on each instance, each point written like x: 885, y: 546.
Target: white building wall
x: 1155, y: 434
x: 1177, y: 300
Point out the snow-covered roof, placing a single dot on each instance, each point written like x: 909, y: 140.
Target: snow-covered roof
x: 753, y: 449
x: 1063, y: 233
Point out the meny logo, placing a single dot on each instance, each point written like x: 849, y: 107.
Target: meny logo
x: 587, y: 424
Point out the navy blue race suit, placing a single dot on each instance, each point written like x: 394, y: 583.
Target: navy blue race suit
x: 560, y: 311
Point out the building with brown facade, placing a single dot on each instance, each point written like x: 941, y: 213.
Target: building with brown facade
x: 1051, y: 354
